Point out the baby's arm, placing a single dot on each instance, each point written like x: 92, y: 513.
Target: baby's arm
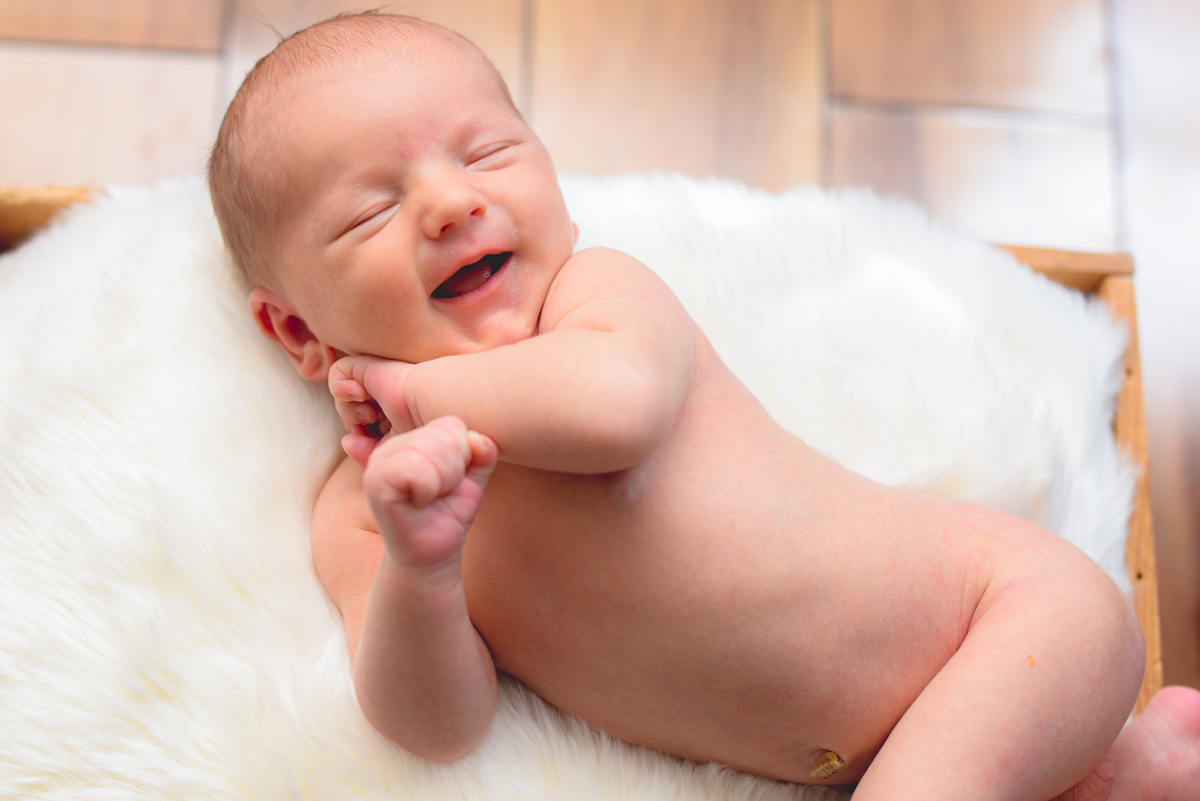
x: 595, y: 392
x: 423, y: 676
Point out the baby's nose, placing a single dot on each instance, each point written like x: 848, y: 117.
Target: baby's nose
x: 449, y: 201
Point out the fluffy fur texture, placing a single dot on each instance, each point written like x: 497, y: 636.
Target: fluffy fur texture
x: 164, y: 633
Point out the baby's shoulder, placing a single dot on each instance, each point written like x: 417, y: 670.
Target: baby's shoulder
x: 603, y: 278
x: 603, y: 267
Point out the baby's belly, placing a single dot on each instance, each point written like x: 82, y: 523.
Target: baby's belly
x: 728, y: 624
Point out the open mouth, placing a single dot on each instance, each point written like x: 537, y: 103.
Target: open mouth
x: 472, y: 276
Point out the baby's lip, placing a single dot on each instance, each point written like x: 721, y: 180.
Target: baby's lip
x: 472, y: 276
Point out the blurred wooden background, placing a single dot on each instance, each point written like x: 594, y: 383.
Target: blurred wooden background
x: 1060, y: 123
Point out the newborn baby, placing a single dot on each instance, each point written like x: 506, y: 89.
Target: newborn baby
x: 552, y: 474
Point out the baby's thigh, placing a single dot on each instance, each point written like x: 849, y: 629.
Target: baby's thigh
x: 1036, y: 693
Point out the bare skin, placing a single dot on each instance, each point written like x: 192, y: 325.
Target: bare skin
x: 574, y: 489
x: 1155, y: 758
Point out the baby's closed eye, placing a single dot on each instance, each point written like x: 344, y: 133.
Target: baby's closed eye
x: 371, y: 219
x: 491, y: 156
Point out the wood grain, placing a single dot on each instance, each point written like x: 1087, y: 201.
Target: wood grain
x: 1042, y: 55
x: 1130, y: 429
x: 1005, y: 176
x: 731, y: 88
x: 23, y: 210
x: 95, y: 115
x: 495, y: 26
x: 193, y: 25
x: 1160, y: 124
x: 1082, y: 271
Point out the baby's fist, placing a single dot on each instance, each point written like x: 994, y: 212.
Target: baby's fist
x: 424, y: 487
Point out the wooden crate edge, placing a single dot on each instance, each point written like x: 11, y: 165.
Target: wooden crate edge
x: 23, y: 210
x: 1129, y: 426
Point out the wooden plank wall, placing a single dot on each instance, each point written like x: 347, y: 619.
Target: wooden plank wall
x: 732, y: 88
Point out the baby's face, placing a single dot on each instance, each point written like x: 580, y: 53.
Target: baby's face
x: 423, y: 216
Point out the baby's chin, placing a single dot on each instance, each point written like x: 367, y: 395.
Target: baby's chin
x: 440, y: 350
x: 505, y: 327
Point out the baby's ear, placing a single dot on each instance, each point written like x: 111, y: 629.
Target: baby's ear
x: 311, y: 357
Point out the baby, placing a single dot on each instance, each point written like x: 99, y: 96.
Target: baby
x: 647, y: 549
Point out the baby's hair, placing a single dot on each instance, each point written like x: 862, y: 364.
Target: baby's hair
x: 245, y: 177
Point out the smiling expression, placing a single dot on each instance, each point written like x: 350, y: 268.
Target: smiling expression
x: 422, y: 216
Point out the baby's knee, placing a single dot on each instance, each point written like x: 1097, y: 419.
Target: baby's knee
x: 1083, y: 620
x: 1106, y: 630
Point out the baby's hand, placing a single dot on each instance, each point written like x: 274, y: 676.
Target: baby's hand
x: 369, y: 395
x: 424, y: 487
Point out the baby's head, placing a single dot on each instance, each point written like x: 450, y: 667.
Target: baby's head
x: 382, y: 195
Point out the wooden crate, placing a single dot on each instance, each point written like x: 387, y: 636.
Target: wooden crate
x: 1106, y: 275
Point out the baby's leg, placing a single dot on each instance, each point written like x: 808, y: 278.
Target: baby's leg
x: 1157, y: 756
x: 1034, y: 696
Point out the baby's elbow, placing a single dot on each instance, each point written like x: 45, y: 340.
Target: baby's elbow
x: 441, y: 734
x: 637, y: 417
x: 438, y: 744
x: 445, y: 752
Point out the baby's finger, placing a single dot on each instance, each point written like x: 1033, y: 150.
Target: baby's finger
x: 379, y: 380
x: 355, y: 416
x: 484, y: 455
x: 484, y: 451
x: 421, y: 466
x: 359, y: 447
x: 348, y: 376
x: 342, y: 383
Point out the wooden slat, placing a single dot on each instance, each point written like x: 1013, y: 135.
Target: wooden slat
x: 495, y: 26
x: 732, y: 88
x: 1130, y: 430
x: 163, y: 24
x: 1082, y: 271
x: 1006, y: 176
x: 1040, y: 55
x: 86, y: 115
x: 23, y: 211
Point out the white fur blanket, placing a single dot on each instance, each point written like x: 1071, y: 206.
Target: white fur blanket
x: 163, y: 631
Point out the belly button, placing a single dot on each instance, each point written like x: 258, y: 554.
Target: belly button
x: 827, y: 764
x: 625, y: 491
